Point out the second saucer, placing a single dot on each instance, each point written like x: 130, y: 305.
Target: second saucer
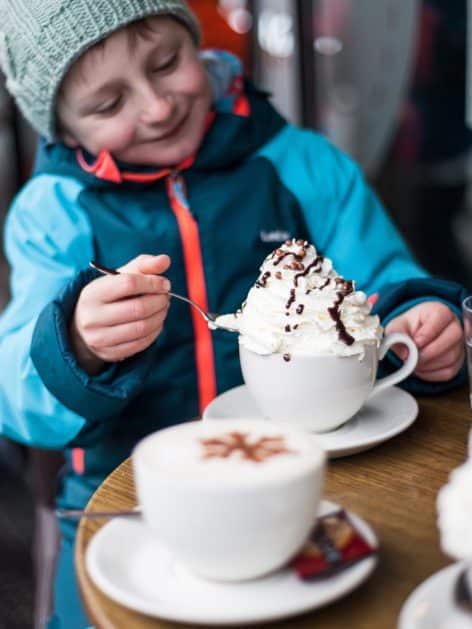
x: 384, y: 416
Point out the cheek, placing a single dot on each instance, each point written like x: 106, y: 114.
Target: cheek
x: 111, y: 135
x: 194, y: 82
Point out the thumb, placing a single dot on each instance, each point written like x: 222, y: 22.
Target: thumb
x: 406, y: 324
x: 147, y: 264
x: 399, y: 324
x: 423, y: 323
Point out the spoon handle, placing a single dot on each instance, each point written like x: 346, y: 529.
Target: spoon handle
x: 192, y: 303
x: 77, y: 514
x: 103, y: 269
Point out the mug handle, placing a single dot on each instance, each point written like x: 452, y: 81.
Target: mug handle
x: 405, y: 370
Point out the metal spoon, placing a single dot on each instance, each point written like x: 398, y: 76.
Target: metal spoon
x: 210, y: 317
x: 77, y: 514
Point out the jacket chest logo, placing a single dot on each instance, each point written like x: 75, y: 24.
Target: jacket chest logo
x: 277, y: 235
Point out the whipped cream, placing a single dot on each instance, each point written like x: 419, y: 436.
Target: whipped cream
x: 454, y: 503
x: 300, y: 305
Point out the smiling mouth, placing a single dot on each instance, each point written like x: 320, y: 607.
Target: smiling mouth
x: 169, y: 133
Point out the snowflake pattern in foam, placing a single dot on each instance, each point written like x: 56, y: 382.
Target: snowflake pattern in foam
x: 238, y: 443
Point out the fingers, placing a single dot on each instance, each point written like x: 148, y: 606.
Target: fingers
x: 450, y: 337
x: 400, y: 324
x: 423, y: 322
x: 442, y: 359
x: 125, y: 350
x: 111, y: 288
x: 115, y: 341
x: 117, y: 316
x: 450, y: 357
x: 434, y: 318
x: 125, y: 311
x: 147, y: 264
x: 438, y: 335
x: 406, y: 325
x: 441, y: 375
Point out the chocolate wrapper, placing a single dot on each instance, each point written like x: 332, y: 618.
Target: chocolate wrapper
x: 334, y: 544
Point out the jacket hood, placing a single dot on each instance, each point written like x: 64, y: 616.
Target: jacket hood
x: 231, y: 138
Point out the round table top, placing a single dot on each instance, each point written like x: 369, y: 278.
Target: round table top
x: 392, y: 486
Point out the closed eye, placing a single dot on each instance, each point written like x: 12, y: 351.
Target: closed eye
x: 110, y: 107
x: 167, y: 65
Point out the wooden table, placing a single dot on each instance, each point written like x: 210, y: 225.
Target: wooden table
x: 392, y: 486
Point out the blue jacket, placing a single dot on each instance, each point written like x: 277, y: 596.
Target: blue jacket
x: 255, y: 181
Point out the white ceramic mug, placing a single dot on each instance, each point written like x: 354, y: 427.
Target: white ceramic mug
x: 320, y: 392
x: 226, y: 517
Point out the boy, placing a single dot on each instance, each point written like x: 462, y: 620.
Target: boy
x: 151, y: 148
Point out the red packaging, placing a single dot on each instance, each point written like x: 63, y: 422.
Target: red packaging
x: 334, y: 544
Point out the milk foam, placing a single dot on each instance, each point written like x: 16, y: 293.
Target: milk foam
x: 180, y: 453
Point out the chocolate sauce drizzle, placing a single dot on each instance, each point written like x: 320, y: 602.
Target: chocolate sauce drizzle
x: 291, y: 299
x: 284, y: 254
x: 317, y: 261
x: 280, y: 254
x: 261, y: 283
x: 346, y: 289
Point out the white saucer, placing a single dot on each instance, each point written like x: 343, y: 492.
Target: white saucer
x: 431, y: 604
x: 385, y: 415
x: 132, y: 568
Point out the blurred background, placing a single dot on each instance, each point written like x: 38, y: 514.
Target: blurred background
x: 386, y: 81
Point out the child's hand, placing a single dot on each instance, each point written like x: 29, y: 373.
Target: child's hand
x: 117, y: 316
x: 437, y: 333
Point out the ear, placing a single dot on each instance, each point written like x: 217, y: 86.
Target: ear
x: 69, y: 140
x: 65, y: 135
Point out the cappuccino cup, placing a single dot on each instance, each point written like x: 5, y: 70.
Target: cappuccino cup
x: 318, y: 393
x: 231, y: 501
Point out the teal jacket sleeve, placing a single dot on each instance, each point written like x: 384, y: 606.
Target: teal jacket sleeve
x: 46, y: 240
x: 46, y: 399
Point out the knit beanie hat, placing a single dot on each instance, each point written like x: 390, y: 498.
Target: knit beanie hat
x: 40, y: 40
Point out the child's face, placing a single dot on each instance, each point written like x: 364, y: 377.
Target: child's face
x: 144, y: 99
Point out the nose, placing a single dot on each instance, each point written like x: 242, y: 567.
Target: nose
x: 155, y: 107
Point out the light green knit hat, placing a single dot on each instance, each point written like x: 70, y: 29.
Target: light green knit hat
x: 40, y: 39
